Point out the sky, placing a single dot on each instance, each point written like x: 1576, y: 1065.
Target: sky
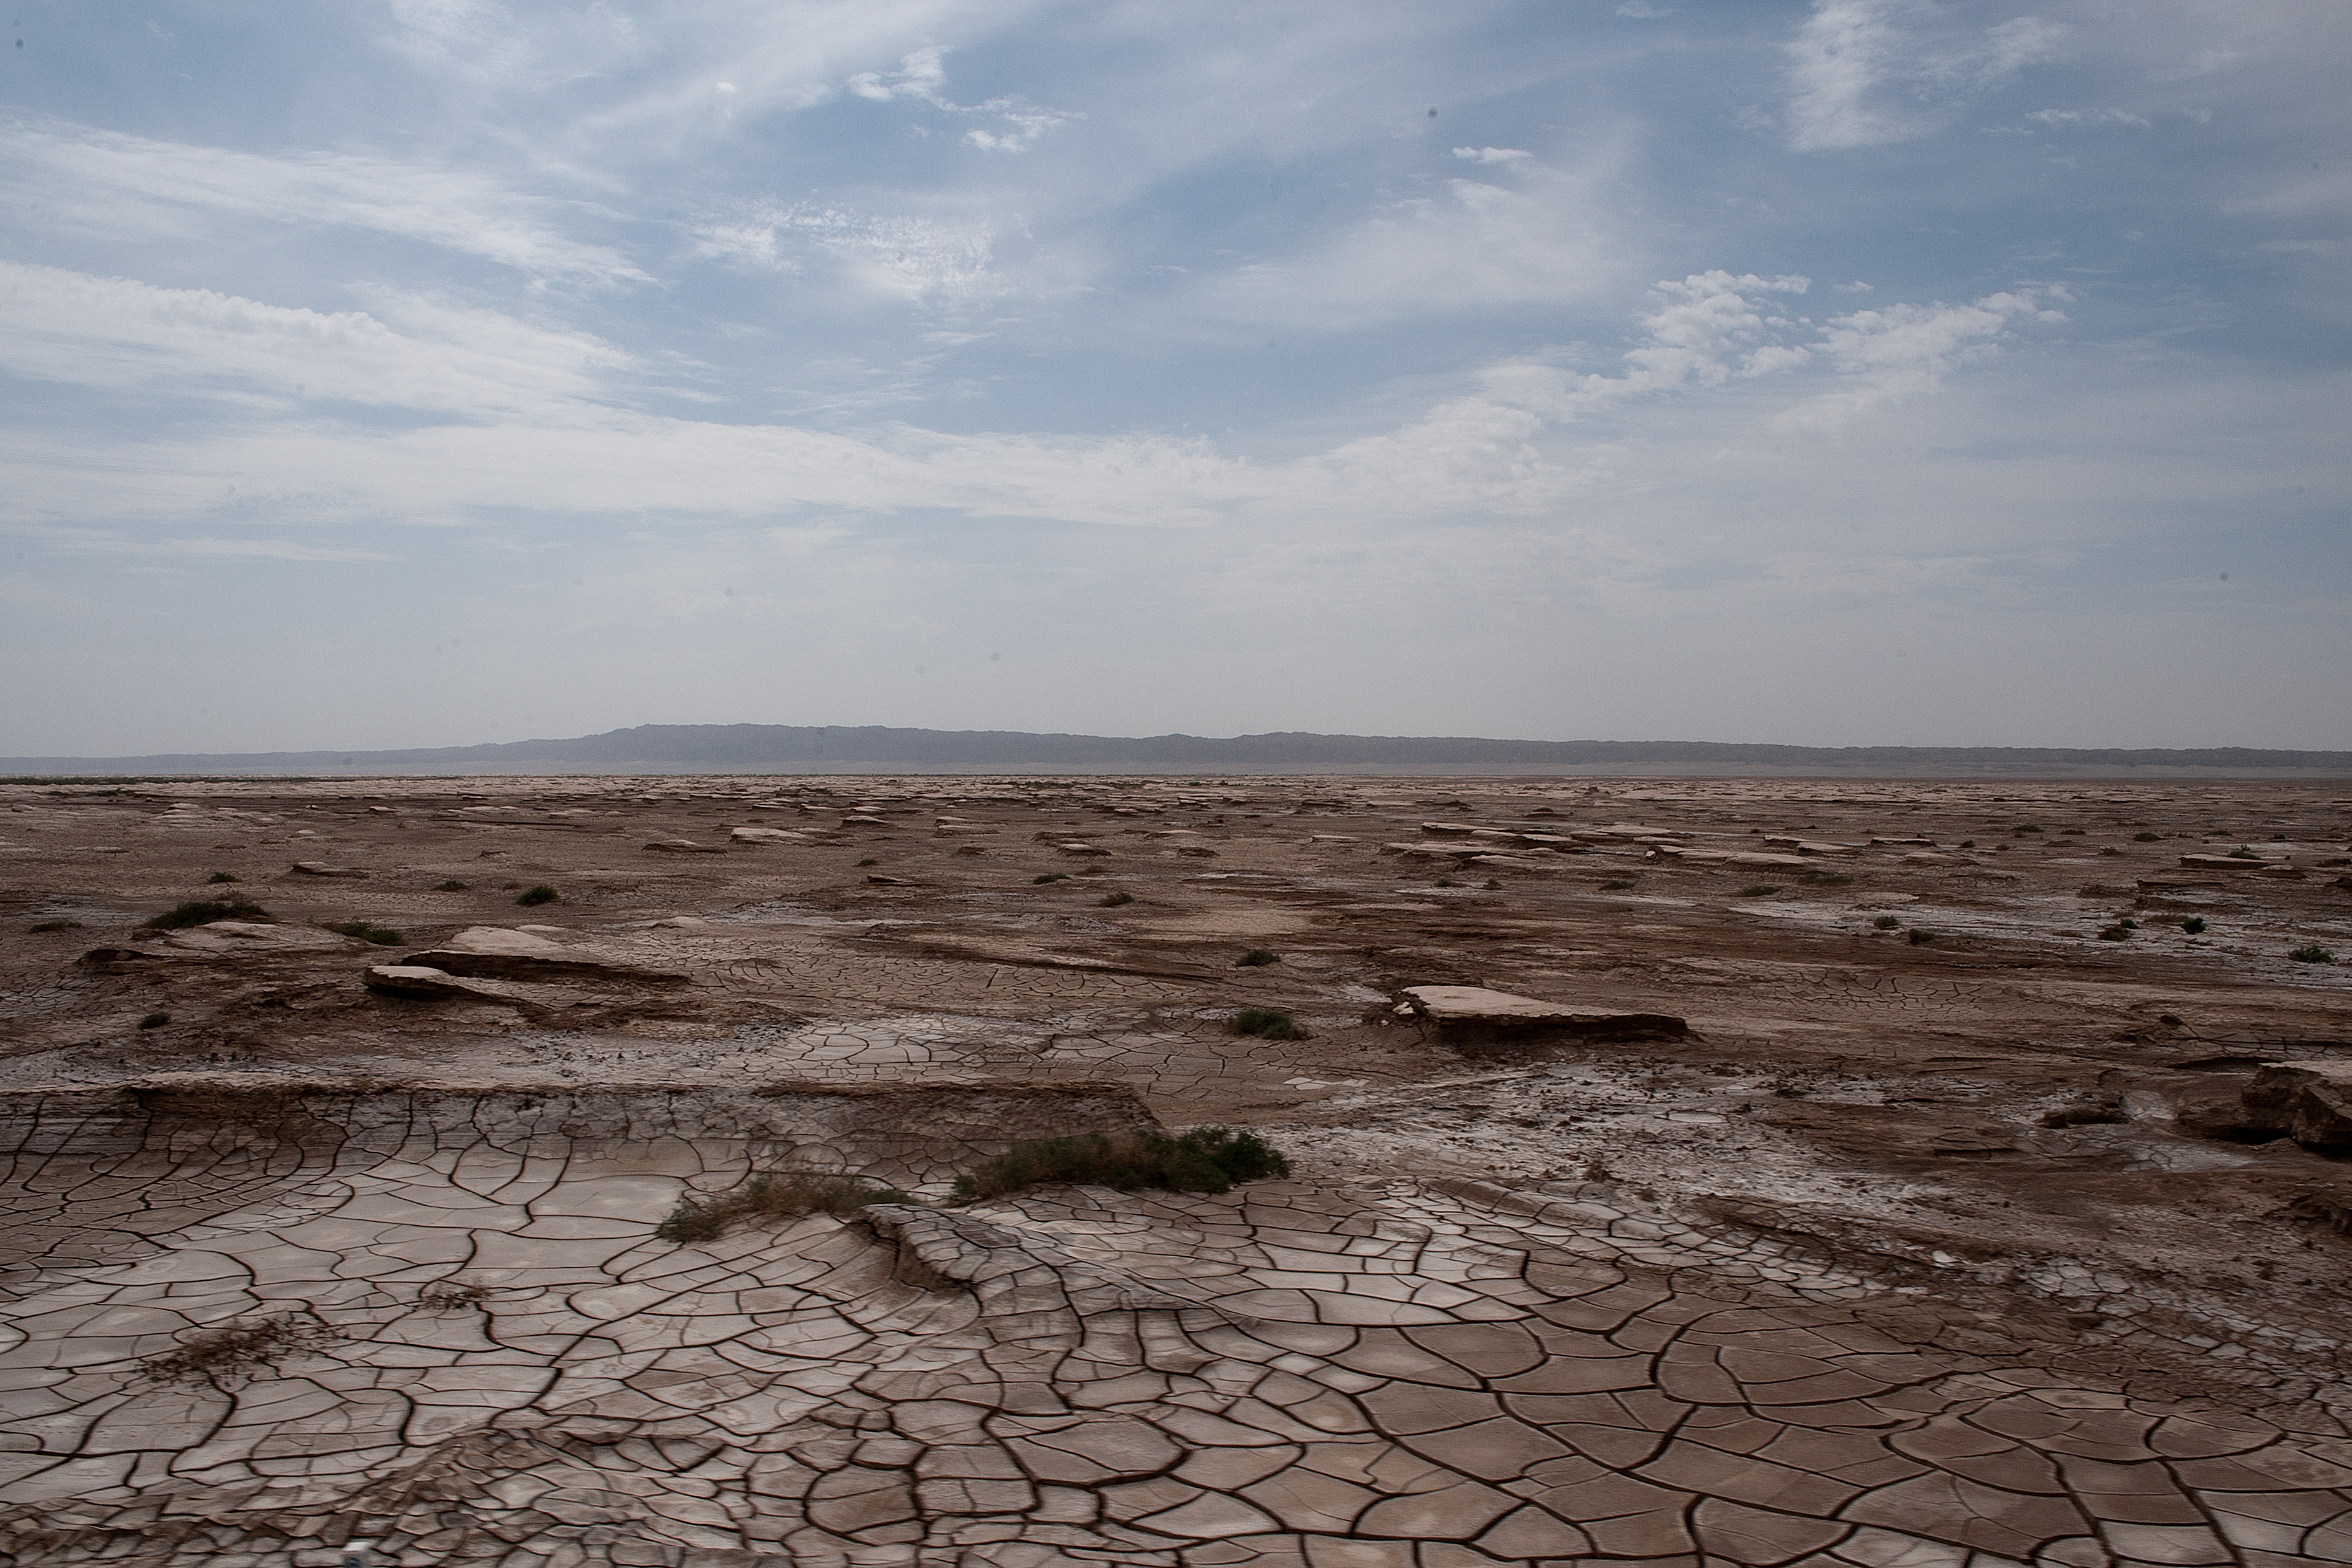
x: 412, y: 373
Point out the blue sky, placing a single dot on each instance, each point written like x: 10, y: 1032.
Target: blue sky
x: 427, y: 371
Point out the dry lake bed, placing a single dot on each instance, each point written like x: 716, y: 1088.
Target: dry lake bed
x: 1759, y: 1172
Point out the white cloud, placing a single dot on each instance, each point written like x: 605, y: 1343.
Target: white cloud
x: 1491, y: 155
x: 415, y: 352
x: 1477, y: 247
x: 1858, y: 77
x: 922, y: 74
x: 1886, y: 356
x: 107, y: 182
x: 2057, y: 117
x: 919, y: 257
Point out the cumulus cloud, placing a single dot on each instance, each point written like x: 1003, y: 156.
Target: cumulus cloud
x: 113, y: 184
x: 1865, y: 72
x: 1883, y: 357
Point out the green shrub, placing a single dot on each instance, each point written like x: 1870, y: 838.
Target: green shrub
x: 869, y: 860
x: 155, y: 1020
x: 1919, y: 938
x: 383, y: 936
x: 2312, y: 952
x: 1206, y: 1160
x: 542, y: 894
x: 54, y: 925
x: 1760, y: 891
x: 1268, y: 1023
x: 204, y: 912
x: 451, y: 886
x: 2194, y: 925
x: 222, y: 877
x: 1049, y: 876
x: 1886, y: 922
x: 1257, y: 958
x: 772, y: 1195
x: 1113, y: 900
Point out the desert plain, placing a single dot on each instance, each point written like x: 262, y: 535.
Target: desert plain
x: 1757, y: 1172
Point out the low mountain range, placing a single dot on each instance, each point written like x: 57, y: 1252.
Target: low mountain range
x: 835, y: 749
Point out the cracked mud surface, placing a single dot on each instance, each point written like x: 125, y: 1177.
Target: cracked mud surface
x: 1954, y: 1251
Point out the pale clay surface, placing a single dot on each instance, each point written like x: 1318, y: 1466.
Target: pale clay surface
x: 1821, y: 1284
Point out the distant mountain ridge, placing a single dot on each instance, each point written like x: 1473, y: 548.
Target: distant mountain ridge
x: 796, y: 748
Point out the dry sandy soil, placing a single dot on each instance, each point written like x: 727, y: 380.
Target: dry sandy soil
x: 1904, y: 1174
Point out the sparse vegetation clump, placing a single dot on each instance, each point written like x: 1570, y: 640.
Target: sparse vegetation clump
x: 771, y: 1195
x: 451, y: 886
x: 155, y: 1020
x: 237, y: 1349
x: 2312, y: 952
x: 542, y: 894
x: 38, y: 926
x: 1049, y: 876
x: 1257, y: 958
x: 1886, y: 922
x: 222, y: 877
x: 204, y: 912
x: 2146, y: 837
x: 1606, y: 887
x: 1921, y: 937
x: 2194, y: 925
x: 870, y: 860
x: 367, y: 930
x: 453, y: 1296
x: 1206, y: 1160
x: 1759, y: 890
x: 1268, y: 1024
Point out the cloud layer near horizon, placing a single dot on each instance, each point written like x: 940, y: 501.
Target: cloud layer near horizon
x: 1872, y: 372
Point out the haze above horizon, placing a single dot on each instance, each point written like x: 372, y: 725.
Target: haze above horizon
x: 420, y: 372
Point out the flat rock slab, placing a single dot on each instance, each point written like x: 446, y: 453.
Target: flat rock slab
x: 685, y: 847
x: 2224, y: 863
x: 1472, y: 1014
x: 320, y: 868
x: 494, y: 953
x: 2311, y: 1102
x: 765, y: 835
x: 228, y: 939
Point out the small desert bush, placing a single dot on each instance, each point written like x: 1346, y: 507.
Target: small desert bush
x: 1113, y: 900
x: 1606, y: 887
x: 2027, y: 827
x: 54, y: 925
x: 222, y: 877
x: 1049, y: 876
x: 451, y: 886
x: 237, y: 1349
x: 1206, y: 1160
x: 2146, y: 837
x: 542, y: 894
x: 367, y: 930
x: 1257, y: 958
x: 204, y: 912
x: 869, y: 860
x: 1886, y: 922
x: 772, y: 1195
x: 155, y: 1020
x: 1920, y: 938
x: 2194, y: 925
x: 1268, y: 1023
x: 1759, y: 890
x: 453, y: 1296
x: 2312, y: 952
